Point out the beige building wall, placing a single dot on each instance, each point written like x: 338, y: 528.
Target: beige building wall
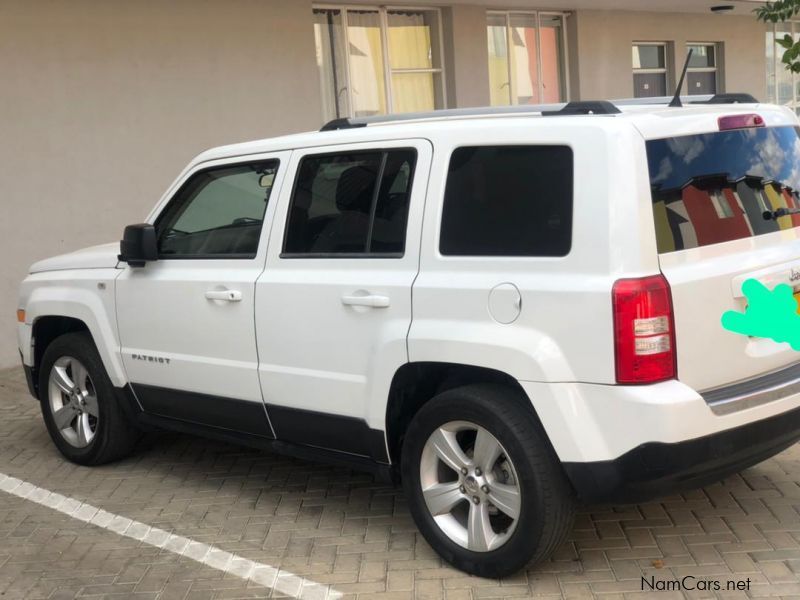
x: 466, y: 56
x: 603, y: 39
x: 103, y: 103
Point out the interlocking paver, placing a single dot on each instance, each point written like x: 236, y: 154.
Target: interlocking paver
x: 338, y: 527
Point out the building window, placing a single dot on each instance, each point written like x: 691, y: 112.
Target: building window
x: 526, y: 57
x: 782, y: 85
x: 649, y: 69
x: 375, y: 61
x: 701, y: 77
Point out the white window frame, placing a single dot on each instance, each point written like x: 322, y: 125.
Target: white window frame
x: 665, y: 71
x: 383, y: 12
x: 715, y: 69
x: 507, y: 14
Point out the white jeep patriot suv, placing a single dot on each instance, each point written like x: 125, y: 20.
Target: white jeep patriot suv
x: 507, y: 310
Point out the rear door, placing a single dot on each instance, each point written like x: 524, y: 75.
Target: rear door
x: 333, y: 306
x: 714, y: 202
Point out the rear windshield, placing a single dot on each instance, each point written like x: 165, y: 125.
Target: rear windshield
x: 716, y: 187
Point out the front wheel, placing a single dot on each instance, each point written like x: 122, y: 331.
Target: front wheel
x: 79, y: 404
x: 483, y: 484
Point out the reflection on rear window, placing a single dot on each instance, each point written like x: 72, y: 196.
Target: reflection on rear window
x: 716, y: 187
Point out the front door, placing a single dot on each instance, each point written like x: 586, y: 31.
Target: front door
x: 186, y: 320
x: 333, y: 306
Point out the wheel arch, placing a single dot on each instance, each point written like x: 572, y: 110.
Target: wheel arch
x: 55, y: 311
x: 416, y: 383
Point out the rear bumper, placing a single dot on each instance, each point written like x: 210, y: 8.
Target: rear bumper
x: 655, y: 468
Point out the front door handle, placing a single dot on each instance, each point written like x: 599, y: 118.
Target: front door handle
x: 224, y: 295
x: 371, y: 300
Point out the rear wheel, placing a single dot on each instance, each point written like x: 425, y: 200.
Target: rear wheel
x: 483, y: 484
x: 79, y: 404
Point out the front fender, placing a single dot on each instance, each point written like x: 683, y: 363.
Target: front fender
x: 85, y: 295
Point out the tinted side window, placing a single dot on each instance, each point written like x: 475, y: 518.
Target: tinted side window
x: 354, y: 203
x: 508, y: 201
x: 217, y: 213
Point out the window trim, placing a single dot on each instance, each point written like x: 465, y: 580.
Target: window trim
x: 163, y: 210
x: 504, y: 257
x: 564, y: 71
x: 383, y: 16
x: 384, y: 151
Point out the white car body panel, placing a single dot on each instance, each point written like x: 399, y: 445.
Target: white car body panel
x: 83, y: 294
x: 103, y: 256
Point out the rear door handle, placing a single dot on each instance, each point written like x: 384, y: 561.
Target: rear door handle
x: 373, y: 301
x: 224, y: 295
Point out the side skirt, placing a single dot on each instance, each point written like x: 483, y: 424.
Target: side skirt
x: 312, y: 452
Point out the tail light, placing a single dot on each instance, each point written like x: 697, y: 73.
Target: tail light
x: 644, y: 330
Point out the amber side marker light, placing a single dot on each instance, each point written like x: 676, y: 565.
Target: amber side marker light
x: 740, y: 122
x: 20, y: 316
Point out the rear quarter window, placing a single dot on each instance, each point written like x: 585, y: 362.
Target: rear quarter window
x: 508, y: 201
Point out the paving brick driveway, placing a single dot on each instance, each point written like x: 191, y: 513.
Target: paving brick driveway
x: 338, y: 527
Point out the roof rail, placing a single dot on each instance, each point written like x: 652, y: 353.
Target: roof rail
x: 343, y: 123
x: 735, y: 98
x: 572, y: 108
x: 590, y: 107
x: 700, y: 99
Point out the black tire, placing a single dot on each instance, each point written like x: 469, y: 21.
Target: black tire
x: 548, y: 501
x: 115, y: 437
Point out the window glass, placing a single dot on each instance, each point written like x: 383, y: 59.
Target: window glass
x: 499, y: 65
x: 218, y: 212
x: 413, y: 92
x: 648, y: 57
x: 331, y: 66
x: 771, y: 58
x: 410, y: 34
x: 526, y: 63
x: 715, y: 187
x: 703, y: 56
x: 366, y: 63
x: 359, y: 80
x: 701, y: 77
x: 508, y: 201
x: 550, y: 33
x: 336, y: 208
x: 649, y: 70
x: 524, y: 59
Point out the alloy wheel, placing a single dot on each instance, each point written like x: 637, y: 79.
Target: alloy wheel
x: 470, y: 486
x: 73, y: 401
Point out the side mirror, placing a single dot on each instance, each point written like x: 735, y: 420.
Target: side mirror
x: 138, y: 245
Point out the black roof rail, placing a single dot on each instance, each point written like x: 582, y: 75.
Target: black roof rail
x: 343, y: 123
x: 587, y: 107
x: 733, y: 98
